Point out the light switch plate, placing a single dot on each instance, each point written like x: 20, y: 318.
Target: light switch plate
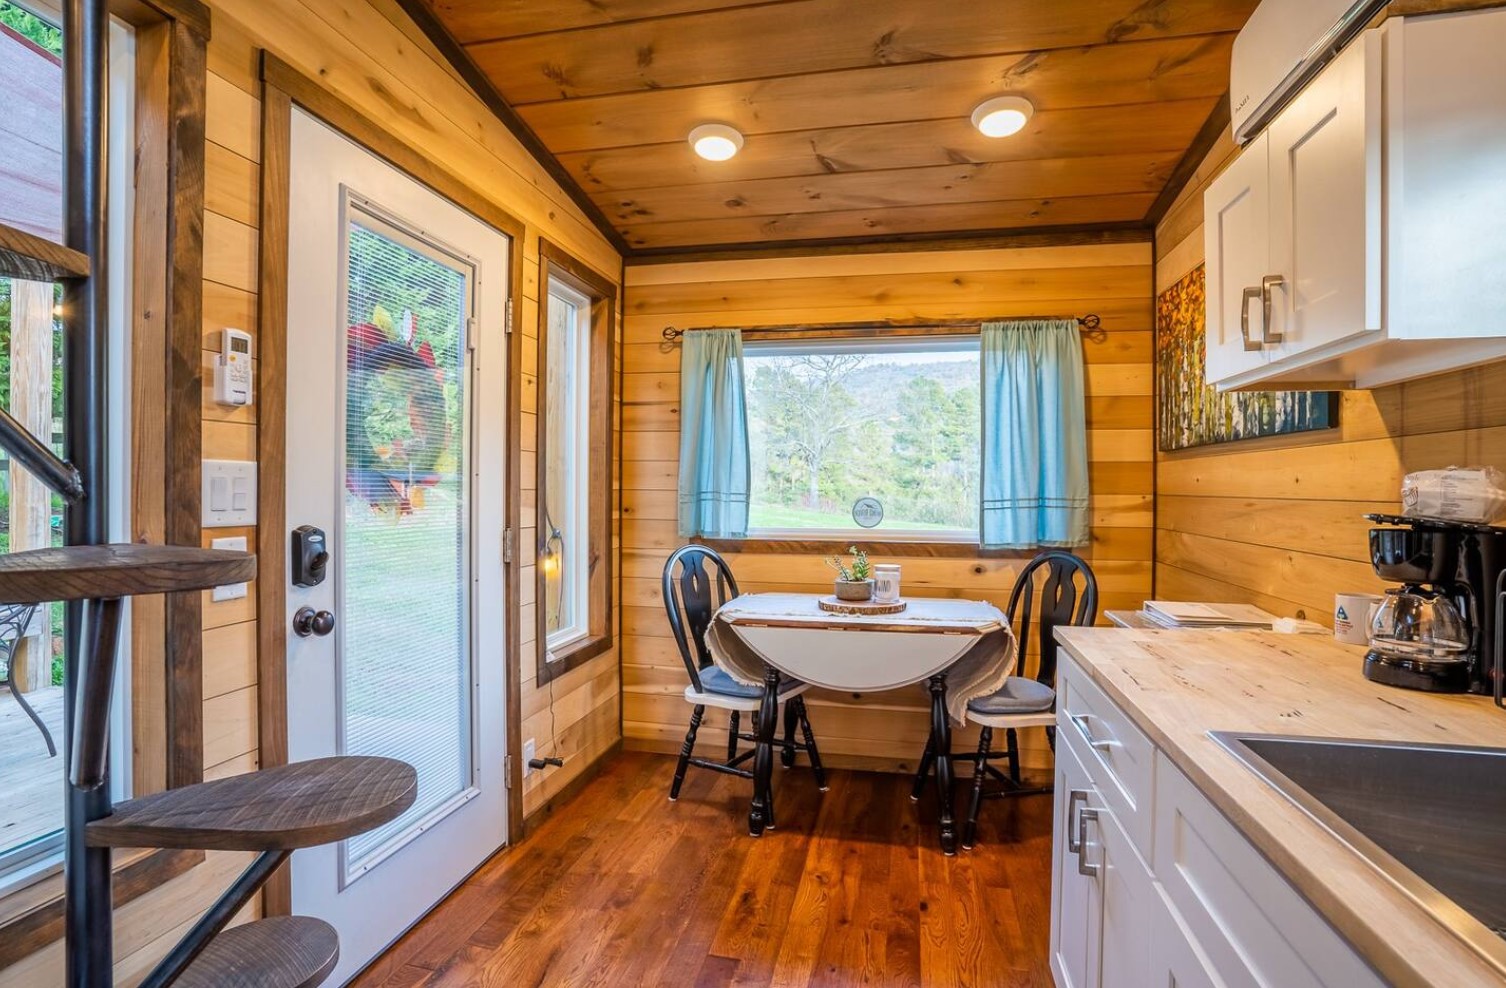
x: 228, y: 493
x: 230, y: 591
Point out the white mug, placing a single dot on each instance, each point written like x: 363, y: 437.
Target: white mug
x: 1352, y: 613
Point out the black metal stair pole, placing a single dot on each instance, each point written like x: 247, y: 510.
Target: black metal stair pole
x: 86, y: 27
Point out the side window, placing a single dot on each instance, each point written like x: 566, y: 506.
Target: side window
x: 576, y: 339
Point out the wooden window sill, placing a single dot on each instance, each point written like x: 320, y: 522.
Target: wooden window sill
x: 575, y: 654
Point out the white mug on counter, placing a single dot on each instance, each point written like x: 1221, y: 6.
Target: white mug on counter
x: 886, y: 583
x: 1352, y: 613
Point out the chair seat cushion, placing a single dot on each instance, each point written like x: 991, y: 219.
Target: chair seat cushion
x: 1018, y: 696
x: 715, y: 680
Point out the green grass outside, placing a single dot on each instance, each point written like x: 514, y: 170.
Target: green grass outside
x: 778, y: 516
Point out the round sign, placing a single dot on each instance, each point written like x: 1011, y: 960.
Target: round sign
x: 867, y: 511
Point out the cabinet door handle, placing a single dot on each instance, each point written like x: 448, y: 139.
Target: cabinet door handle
x: 1266, y: 284
x: 1086, y: 868
x: 1097, y: 744
x: 1074, y: 845
x: 1244, y: 319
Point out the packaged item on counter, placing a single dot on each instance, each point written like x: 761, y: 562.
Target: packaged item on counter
x: 1472, y: 494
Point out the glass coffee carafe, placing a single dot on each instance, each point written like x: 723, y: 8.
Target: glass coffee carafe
x: 1421, y: 631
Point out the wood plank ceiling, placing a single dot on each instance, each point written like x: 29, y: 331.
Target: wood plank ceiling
x: 856, y: 112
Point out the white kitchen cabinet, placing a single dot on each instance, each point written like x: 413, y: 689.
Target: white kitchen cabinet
x: 1175, y: 960
x: 1129, y: 904
x: 1201, y: 908
x: 1076, y: 906
x: 1323, y: 160
x: 1236, y: 239
x: 1381, y: 255
x: 1102, y: 894
x: 1292, y: 228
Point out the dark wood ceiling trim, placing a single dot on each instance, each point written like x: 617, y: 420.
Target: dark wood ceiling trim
x: 1217, y: 120
x: 1064, y: 236
x: 457, y: 56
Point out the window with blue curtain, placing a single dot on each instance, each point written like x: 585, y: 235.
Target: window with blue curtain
x: 1035, y: 440
x: 714, y: 460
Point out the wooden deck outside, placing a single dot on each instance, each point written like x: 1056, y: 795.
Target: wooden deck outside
x: 622, y: 887
x: 32, y: 782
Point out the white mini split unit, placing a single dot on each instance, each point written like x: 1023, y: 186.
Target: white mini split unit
x: 1281, y: 47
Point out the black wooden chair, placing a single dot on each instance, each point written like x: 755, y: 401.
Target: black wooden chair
x: 1024, y: 702
x: 14, y: 620
x: 691, y: 600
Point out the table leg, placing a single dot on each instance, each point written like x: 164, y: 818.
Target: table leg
x: 761, y: 815
x: 941, y: 738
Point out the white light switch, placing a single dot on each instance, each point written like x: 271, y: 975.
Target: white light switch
x: 229, y: 493
x: 230, y: 591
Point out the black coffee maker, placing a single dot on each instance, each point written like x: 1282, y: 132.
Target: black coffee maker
x: 1438, y: 563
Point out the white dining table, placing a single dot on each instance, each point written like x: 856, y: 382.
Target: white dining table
x: 961, y: 649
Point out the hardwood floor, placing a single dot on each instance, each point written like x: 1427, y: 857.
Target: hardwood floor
x: 622, y: 887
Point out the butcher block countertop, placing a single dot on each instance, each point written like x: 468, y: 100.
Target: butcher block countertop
x: 1179, y: 685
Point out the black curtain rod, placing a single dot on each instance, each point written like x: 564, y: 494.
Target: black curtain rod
x: 1089, y: 322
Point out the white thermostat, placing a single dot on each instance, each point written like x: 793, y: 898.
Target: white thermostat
x: 232, y: 372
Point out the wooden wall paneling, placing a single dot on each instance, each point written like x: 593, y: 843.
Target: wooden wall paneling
x: 887, y: 730
x: 369, y: 64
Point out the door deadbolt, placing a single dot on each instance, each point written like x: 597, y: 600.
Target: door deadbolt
x: 307, y: 621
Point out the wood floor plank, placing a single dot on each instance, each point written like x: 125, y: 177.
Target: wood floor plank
x: 621, y: 887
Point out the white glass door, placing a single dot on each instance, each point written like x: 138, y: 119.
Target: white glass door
x: 396, y: 433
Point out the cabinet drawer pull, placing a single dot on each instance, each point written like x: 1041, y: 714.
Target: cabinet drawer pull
x: 1244, y: 319
x: 1086, y: 868
x: 1266, y: 284
x: 1097, y: 744
x: 1074, y: 846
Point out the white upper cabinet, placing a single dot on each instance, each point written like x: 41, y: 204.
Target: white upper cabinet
x: 1382, y: 201
x: 1324, y: 162
x: 1236, y: 238
x: 1446, y: 189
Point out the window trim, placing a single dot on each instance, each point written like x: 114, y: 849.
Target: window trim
x: 166, y: 337
x: 895, y: 542
x: 557, y: 264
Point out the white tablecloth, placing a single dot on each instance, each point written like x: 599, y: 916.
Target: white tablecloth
x: 970, y: 641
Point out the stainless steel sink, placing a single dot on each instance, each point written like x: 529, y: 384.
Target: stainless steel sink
x: 1432, y: 818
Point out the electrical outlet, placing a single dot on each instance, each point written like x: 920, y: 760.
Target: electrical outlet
x: 530, y: 751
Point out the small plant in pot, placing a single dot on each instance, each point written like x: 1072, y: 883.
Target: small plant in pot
x: 855, y: 579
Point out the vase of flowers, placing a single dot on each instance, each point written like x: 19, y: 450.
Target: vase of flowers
x: 854, y: 577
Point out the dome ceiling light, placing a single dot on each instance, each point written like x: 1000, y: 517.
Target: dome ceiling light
x: 1002, y: 116
x: 715, y: 142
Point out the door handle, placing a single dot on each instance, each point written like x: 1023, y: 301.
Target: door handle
x: 1244, y: 319
x: 1077, y: 795
x: 307, y: 621
x: 1266, y: 284
x: 1086, y: 868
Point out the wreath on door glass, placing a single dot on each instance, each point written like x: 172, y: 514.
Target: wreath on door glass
x: 398, y: 440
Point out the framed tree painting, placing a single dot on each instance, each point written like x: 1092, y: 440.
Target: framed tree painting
x: 1192, y: 412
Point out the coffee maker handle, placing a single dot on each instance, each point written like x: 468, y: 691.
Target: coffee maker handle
x: 1498, y: 676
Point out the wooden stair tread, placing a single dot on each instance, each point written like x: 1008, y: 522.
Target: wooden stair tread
x: 280, y: 952
x: 299, y: 805
x: 38, y: 576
